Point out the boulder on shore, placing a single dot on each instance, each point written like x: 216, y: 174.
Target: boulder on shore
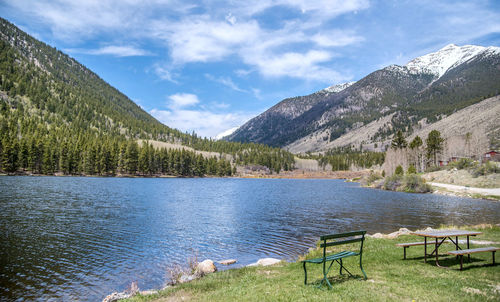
x: 265, y: 262
x: 205, y: 267
x: 116, y: 296
x: 227, y: 262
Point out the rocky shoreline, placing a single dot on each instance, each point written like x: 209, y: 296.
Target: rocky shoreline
x: 202, y: 269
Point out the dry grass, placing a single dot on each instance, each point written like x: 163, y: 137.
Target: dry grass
x: 463, y: 178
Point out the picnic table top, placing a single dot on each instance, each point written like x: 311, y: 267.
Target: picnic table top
x: 446, y: 233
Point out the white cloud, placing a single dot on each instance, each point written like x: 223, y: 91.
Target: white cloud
x: 182, y: 100
x: 298, y: 65
x: 117, y: 51
x: 164, y: 74
x: 205, y: 123
x: 336, y: 38
x: 257, y: 93
x: 219, y: 32
x: 327, y: 8
x: 201, y: 39
x: 231, y: 19
x: 226, y: 81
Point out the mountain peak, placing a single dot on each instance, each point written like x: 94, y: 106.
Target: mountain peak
x: 444, y: 59
x: 338, y: 87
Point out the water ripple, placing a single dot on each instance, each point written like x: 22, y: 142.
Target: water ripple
x: 81, y: 238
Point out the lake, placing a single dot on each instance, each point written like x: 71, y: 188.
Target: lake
x: 80, y: 238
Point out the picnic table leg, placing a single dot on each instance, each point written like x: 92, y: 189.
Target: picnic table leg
x: 437, y: 253
x: 341, y: 266
x: 425, y: 249
x: 461, y: 261
x: 493, y: 256
x: 468, y: 256
x: 456, y: 245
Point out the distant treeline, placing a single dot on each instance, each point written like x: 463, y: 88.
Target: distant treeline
x: 101, y: 155
x: 344, y: 158
x: 58, y: 116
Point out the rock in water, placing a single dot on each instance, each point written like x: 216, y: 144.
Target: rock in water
x: 205, y: 267
x: 116, y: 296
x: 268, y: 261
x: 228, y: 261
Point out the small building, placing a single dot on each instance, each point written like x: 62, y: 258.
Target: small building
x: 442, y: 163
x: 491, y: 155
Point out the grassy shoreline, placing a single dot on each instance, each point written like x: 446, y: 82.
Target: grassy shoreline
x: 389, y: 278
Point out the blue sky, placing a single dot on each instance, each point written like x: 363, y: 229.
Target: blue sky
x: 208, y: 66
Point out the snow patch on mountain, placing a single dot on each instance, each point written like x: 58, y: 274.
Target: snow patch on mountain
x: 338, y: 87
x: 450, y: 56
x: 226, y: 133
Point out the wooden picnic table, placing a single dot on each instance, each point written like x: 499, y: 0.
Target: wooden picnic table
x: 440, y: 236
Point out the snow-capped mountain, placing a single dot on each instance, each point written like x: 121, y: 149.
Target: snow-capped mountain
x: 225, y: 133
x: 447, y: 58
x: 338, y: 87
x: 395, y: 97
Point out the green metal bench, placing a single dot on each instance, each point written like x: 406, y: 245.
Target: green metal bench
x: 333, y: 240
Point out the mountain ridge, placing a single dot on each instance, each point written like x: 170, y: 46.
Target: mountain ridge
x: 430, y: 87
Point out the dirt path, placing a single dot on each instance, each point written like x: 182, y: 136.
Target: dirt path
x: 464, y: 189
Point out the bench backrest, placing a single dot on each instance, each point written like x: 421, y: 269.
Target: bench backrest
x: 338, y: 239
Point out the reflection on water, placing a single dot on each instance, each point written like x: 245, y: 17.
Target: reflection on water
x: 82, y: 238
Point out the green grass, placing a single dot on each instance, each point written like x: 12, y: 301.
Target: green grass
x: 389, y: 278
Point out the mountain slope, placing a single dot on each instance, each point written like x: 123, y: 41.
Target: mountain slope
x: 60, y: 85
x: 57, y: 116
x: 428, y: 87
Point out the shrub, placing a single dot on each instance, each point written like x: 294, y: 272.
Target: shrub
x: 485, y: 169
x: 372, y: 178
x: 399, y: 170
x: 392, y: 183
x: 433, y: 169
x: 411, y: 170
x: 413, y: 183
x: 461, y: 164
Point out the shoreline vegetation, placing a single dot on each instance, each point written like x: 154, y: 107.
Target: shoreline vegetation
x: 442, y: 182
x: 389, y: 277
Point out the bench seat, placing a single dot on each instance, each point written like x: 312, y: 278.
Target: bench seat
x: 413, y: 243
x: 472, y: 251
x: 408, y: 244
x: 461, y: 253
x: 332, y: 257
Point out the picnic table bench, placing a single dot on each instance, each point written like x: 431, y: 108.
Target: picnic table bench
x: 461, y: 253
x: 333, y: 240
x: 408, y: 244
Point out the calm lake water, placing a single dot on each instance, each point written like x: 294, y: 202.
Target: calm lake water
x: 76, y: 238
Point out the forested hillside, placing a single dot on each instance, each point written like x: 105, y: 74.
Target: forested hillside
x: 57, y: 116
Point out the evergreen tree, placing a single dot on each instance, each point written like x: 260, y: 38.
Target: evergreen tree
x: 399, y: 141
x: 434, y: 143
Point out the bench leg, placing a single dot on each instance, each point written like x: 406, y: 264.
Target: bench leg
x: 493, y: 257
x: 341, y: 265
x: 461, y: 261
x: 361, y: 266
x: 404, y: 252
x: 305, y: 274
